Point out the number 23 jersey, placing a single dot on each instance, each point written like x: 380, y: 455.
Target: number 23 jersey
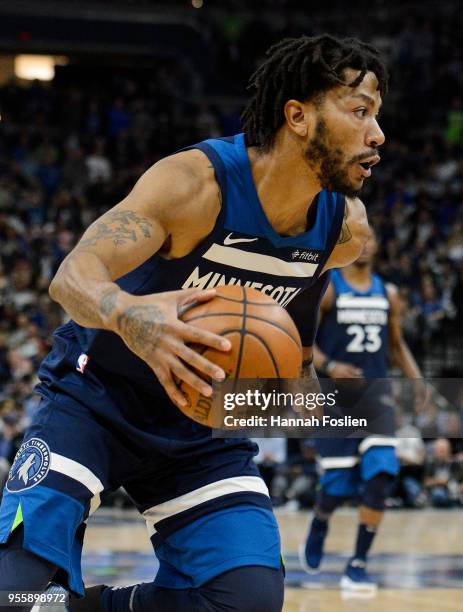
x: 356, y: 328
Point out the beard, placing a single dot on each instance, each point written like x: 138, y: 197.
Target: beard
x: 327, y: 161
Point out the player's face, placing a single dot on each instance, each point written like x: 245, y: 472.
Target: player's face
x: 344, y: 142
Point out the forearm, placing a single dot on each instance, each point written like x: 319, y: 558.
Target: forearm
x: 308, y: 370
x: 404, y: 360
x: 83, y: 287
x: 310, y: 385
x: 309, y: 376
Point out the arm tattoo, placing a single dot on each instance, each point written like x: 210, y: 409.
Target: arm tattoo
x: 119, y: 226
x: 108, y: 302
x: 84, y: 310
x: 345, y: 233
x: 140, y: 327
x: 309, y: 382
x: 75, y: 306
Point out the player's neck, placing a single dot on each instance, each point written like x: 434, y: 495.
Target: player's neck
x: 358, y: 275
x: 285, y: 186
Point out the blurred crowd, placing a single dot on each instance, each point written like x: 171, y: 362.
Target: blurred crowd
x: 72, y: 148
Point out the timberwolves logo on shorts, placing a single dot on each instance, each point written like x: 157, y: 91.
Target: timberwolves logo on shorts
x: 30, y: 466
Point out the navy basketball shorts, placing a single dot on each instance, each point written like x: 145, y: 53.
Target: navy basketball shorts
x: 206, y: 508
x: 348, y: 463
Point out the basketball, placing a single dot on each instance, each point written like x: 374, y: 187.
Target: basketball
x: 265, y: 342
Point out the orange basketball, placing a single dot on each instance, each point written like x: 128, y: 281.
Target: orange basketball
x: 265, y: 342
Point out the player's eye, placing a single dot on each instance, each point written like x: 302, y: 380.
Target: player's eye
x: 361, y: 112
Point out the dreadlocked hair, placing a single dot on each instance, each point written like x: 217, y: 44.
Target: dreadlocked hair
x: 303, y: 68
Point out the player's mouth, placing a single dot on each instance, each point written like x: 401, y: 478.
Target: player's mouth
x: 366, y: 165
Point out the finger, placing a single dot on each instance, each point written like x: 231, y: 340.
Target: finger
x: 189, y: 296
x: 189, y: 377
x: 174, y: 393
x: 196, y: 298
x: 190, y: 333
x: 196, y: 360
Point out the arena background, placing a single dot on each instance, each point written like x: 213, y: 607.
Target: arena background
x: 120, y: 84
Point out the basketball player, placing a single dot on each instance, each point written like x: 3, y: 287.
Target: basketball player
x: 360, y: 328
x: 272, y: 208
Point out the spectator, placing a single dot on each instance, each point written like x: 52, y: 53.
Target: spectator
x: 443, y: 476
x: 295, y: 481
x: 98, y: 165
x: 431, y: 313
x: 411, y: 452
x: 272, y: 454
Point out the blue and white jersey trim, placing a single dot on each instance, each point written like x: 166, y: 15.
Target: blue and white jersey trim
x: 207, y: 493
x: 256, y: 262
x: 331, y: 463
x: 346, y: 300
x: 77, y: 471
x: 371, y: 441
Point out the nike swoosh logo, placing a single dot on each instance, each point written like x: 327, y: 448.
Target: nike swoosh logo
x: 229, y: 240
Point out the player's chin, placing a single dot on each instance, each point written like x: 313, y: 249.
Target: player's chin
x: 352, y: 189
x: 356, y: 179
x: 357, y: 184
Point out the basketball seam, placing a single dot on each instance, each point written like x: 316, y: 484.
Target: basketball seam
x: 250, y: 333
x: 242, y: 332
x: 267, y: 348
x: 237, y: 314
x: 228, y: 299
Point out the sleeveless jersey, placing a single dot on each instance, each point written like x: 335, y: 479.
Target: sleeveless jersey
x: 243, y: 249
x: 355, y: 329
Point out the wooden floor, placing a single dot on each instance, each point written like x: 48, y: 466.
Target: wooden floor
x: 417, y: 557
x: 390, y: 600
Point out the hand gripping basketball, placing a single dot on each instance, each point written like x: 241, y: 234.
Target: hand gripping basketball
x: 265, y: 342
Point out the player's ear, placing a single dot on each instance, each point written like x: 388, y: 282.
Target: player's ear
x: 297, y: 117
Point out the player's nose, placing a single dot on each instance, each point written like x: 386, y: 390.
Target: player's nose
x: 375, y: 136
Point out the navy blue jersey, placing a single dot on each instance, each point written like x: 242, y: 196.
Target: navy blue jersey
x: 355, y: 329
x: 243, y: 249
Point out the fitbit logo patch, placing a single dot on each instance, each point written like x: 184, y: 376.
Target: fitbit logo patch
x: 305, y: 256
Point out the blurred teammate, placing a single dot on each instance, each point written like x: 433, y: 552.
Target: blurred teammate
x: 265, y: 209
x: 359, y: 330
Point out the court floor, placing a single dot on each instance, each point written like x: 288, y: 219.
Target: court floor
x: 417, y: 559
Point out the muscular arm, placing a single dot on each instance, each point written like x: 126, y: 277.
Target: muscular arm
x: 352, y: 237
x: 126, y: 236
x: 399, y: 352
x: 171, y: 209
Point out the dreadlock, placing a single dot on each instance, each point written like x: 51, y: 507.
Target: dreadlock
x: 303, y: 68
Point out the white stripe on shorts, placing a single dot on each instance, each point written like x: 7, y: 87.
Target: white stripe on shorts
x: 331, y: 463
x: 238, y: 484
x: 95, y: 503
x: 77, y: 471
x: 376, y: 441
